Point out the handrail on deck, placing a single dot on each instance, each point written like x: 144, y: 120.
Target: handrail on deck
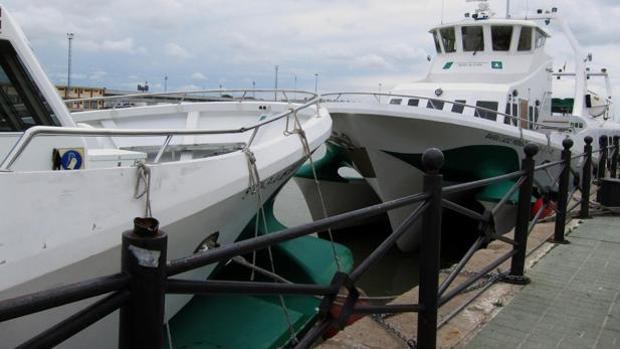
x: 181, y: 95
x: 465, y: 105
x: 28, y: 135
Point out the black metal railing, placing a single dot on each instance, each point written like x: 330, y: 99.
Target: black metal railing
x: 147, y: 276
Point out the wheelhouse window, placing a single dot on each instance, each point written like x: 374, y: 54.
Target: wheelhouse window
x: 458, y: 106
x: 435, y: 104
x: 436, y: 39
x: 448, y: 38
x: 413, y: 102
x: 525, y: 40
x: 21, y: 103
x: 473, y: 39
x: 502, y: 36
x: 540, y: 38
x: 484, y: 109
x: 396, y: 101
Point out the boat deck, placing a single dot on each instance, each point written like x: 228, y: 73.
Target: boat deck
x: 572, y: 301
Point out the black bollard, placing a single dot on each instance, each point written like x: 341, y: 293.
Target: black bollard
x: 614, y: 157
x: 432, y: 161
x: 602, y: 156
x: 560, y: 217
x: 586, y: 179
x: 517, y: 263
x: 144, y: 258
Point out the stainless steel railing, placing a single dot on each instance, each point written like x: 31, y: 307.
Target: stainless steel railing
x: 31, y: 133
x: 377, y: 96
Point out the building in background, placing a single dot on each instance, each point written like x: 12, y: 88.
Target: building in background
x: 82, y: 92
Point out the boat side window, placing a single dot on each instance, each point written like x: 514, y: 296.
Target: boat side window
x: 436, y: 39
x: 458, y: 106
x: 473, y: 39
x: 525, y: 40
x: 502, y: 35
x: 531, y: 117
x: 448, y: 38
x: 515, y: 113
x: 396, y: 101
x: 507, y: 112
x: 413, y: 102
x: 486, y: 114
x: 540, y: 38
x: 21, y: 103
x: 434, y: 104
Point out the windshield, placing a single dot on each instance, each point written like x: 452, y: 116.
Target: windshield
x: 448, y: 38
x: 473, y: 39
x: 502, y: 36
x: 525, y: 40
x: 21, y: 103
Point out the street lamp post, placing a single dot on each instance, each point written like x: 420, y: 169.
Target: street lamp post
x: 166, y: 83
x: 275, y: 93
x: 253, y: 88
x: 316, y: 82
x: 70, y: 37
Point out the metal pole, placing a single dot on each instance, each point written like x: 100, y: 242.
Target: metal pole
x: 166, y: 83
x: 316, y: 82
x: 254, y: 89
x: 614, y: 158
x: 143, y: 257
x: 432, y: 160
x: 560, y: 217
x: 586, y: 179
x: 602, y: 157
x: 517, y: 264
x: 275, y: 93
x: 70, y: 37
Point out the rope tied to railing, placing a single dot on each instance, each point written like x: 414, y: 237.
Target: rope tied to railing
x: 144, y: 178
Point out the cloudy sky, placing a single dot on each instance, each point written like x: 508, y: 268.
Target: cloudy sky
x: 351, y: 44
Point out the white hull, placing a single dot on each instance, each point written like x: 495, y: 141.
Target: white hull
x: 391, y: 135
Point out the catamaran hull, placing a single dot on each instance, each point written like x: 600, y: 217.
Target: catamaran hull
x: 394, y: 142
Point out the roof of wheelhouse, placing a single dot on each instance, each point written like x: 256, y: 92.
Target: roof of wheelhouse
x: 492, y: 21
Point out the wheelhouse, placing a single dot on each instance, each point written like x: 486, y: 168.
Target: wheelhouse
x: 491, y: 36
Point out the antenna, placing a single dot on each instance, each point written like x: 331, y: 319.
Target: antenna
x: 443, y: 6
x: 507, y: 8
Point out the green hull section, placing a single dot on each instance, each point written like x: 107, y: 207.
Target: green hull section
x: 244, y: 321
x: 327, y: 167
x: 470, y: 163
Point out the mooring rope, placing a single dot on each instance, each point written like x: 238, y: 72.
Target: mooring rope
x: 298, y: 129
x: 144, y: 177
x: 255, y: 188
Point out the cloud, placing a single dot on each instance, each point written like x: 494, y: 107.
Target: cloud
x: 198, y: 76
x: 125, y: 45
x: 176, y: 51
x: 370, y: 61
x: 352, y: 44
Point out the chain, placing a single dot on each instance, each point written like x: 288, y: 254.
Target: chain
x: 410, y: 342
x: 482, y: 282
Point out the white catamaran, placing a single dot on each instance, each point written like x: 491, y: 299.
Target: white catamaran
x: 69, y: 190
x: 487, y: 94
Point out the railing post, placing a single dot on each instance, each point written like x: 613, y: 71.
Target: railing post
x: 586, y: 179
x: 432, y: 160
x: 560, y: 217
x: 517, y: 263
x: 602, y: 157
x: 143, y: 257
x: 614, y: 157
